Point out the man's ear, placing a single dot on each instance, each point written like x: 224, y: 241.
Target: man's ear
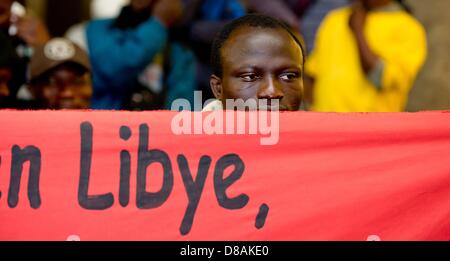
x: 216, y: 86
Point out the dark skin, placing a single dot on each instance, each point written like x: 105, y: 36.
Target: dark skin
x: 64, y: 88
x: 368, y: 58
x: 261, y: 64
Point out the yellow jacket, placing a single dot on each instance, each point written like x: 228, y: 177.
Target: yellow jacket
x: 340, y: 82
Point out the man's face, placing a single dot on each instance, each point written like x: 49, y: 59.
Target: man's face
x: 261, y: 64
x: 65, y: 88
x: 5, y: 77
x: 5, y: 13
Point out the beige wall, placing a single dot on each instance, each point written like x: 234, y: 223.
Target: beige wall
x: 432, y: 89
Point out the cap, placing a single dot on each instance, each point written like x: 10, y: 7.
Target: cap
x: 56, y: 52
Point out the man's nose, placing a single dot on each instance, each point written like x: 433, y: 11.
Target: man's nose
x: 270, y: 89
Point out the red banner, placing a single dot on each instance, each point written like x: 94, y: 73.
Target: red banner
x: 127, y: 176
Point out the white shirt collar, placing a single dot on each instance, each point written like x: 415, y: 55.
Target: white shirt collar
x: 213, y: 106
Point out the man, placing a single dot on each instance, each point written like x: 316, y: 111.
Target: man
x: 366, y: 58
x: 257, y: 58
x: 60, y: 76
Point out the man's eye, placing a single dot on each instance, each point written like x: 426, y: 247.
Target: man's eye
x: 289, y: 76
x: 249, y: 77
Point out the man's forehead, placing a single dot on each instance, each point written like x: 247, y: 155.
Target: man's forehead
x: 252, y: 43
x: 253, y: 35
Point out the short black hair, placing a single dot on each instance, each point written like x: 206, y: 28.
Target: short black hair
x: 250, y: 20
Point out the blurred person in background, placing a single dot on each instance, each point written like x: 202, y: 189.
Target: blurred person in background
x: 99, y: 9
x: 202, y: 21
x: 135, y: 64
x: 20, y: 32
x: 60, y: 76
x: 22, y: 27
x: 366, y: 58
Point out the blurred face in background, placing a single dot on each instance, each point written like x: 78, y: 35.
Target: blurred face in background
x: 5, y: 13
x: 65, y: 87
